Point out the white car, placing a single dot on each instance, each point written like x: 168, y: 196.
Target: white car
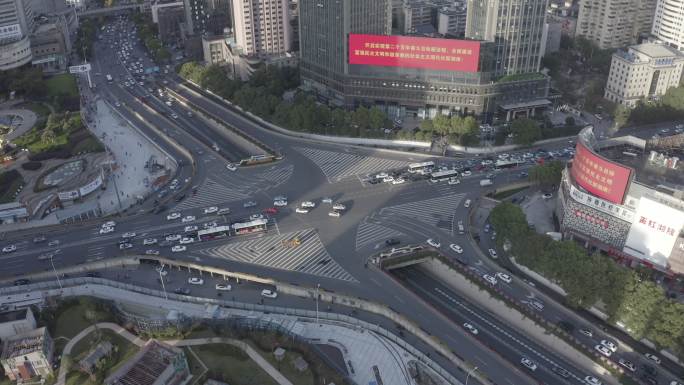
x: 308, y: 204
x: 129, y: 234
x: 388, y: 179
x: 178, y: 248
x: 187, y: 240
x: 467, y: 203
x: 456, y: 248
x: 589, y: 380
x: 173, y: 216
x: 490, y: 279
x: 627, y: 364
x: 223, y: 287
x: 504, y: 277
x: 149, y: 241
x: 399, y: 181
x: 536, y: 305
x: 492, y: 253
x: 335, y: 214
x: 9, y: 249
x: 453, y: 181
x: 109, y: 224
x: 326, y: 200
x: 302, y: 210
x: 195, y: 281
x: 151, y: 252
x: 339, y: 207
x: 249, y: 204
x: 587, y: 332
x: 209, y: 225
x: 529, y: 364
x: 256, y: 216
x: 603, y: 350
x: 231, y: 167
x: 610, y: 345
x: 191, y: 228
x: 173, y: 237
x: 381, y: 175
x: 106, y: 230
x: 174, y: 116
x: 547, y: 196
x: 188, y: 218
x: 211, y: 210
x: 434, y: 243
x: 125, y: 246
x: 279, y: 203
x: 470, y: 328
x: 466, y: 173
x: 269, y: 293
x: 653, y: 358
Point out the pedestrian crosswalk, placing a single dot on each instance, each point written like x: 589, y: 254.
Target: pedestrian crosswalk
x: 372, y: 233
x: 337, y: 166
x: 301, y: 251
x: 437, y: 212
x: 211, y: 193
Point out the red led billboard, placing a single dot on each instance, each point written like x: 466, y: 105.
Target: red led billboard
x: 414, y: 52
x: 599, y: 176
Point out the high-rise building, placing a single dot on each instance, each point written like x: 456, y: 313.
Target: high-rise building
x: 668, y: 24
x: 207, y: 17
x: 323, y: 37
x: 516, y: 27
x: 262, y: 27
x: 451, y: 21
x: 16, y: 24
x: 615, y: 23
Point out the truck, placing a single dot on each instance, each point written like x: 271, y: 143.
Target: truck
x: 485, y: 182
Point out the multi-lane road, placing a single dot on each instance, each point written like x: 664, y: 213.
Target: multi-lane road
x: 332, y: 251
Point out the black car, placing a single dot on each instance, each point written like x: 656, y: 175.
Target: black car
x: 392, y: 242
x: 94, y: 274
x: 20, y: 282
x: 374, y: 181
x: 180, y: 198
x: 124, y: 240
x: 39, y: 239
x: 561, y: 372
x: 649, y: 379
x: 182, y: 290
x: 159, y: 209
x: 649, y: 369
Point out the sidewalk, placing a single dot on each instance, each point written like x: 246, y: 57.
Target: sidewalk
x: 27, y: 120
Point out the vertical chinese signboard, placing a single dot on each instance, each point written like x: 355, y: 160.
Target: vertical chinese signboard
x: 654, y: 232
x: 601, y: 177
x: 414, y: 52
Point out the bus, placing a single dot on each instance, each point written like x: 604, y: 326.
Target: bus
x: 254, y: 226
x: 443, y: 175
x: 213, y: 233
x: 420, y: 167
x: 501, y: 164
x: 109, y: 78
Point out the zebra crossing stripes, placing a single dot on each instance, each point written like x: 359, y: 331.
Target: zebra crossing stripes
x: 369, y: 233
x: 337, y: 166
x: 211, y: 193
x: 438, y: 212
x: 276, y: 175
x: 309, y: 257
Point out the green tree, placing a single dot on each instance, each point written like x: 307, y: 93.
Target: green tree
x: 442, y: 124
x: 525, y: 131
x: 376, y: 118
x: 361, y: 118
x: 642, y: 300
x: 510, y: 222
x: 569, y: 121
x: 426, y: 125
x: 547, y: 174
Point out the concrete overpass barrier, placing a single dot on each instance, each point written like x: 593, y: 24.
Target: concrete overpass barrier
x: 70, y: 286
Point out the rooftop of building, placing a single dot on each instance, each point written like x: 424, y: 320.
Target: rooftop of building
x: 13, y: 315
x: 655, y: 51
x: 24, y: 343
x: 146, y: 366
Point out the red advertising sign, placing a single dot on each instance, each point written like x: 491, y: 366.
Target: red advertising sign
x: 414, y: 52
x: 599, y: 176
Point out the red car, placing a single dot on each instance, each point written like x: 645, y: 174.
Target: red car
x: 271, y: 210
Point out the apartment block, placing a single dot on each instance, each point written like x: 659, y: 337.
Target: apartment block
x: 615, y: 23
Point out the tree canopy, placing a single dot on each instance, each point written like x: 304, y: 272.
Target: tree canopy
x: 525, y: 131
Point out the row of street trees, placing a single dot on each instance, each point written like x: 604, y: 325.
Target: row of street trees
x: 263, y: 94
x: 451, y: 130
x: 148, y: 32
x: 590, y: 279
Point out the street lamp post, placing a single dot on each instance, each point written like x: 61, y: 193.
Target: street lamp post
x: 59, y: 282
x: 161, y: 278
x: 469, y: 373
x: 318, y: 286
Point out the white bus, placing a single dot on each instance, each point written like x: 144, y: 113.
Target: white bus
x: 443, y: 175
x: 213, y: 233
x: 419, y: 167
x: 254, y: 226
x: 109, y: 78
